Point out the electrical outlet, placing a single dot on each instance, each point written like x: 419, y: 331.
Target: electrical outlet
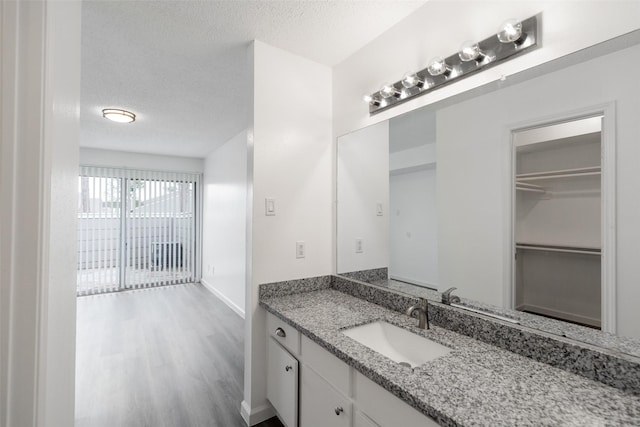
x: 359, y: 246
x: 300, y: 249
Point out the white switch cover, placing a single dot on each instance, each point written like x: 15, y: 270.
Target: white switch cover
x: 359, y: 246
x: 269, y: 207
x: 379, y: 209
x: 300, y: 250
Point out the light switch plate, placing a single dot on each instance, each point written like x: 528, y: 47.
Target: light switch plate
x: 300, y: 249
x: 269, y: 207
x: 379, y: 211
x: 359, y: 246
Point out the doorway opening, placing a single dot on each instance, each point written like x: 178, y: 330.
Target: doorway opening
x: 561, y: 262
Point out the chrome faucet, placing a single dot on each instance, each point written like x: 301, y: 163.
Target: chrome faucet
x: 447, y: 298
x: 423, y: 312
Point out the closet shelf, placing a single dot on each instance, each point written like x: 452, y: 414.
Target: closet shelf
x: 562, y: 173
x: 556, y: 248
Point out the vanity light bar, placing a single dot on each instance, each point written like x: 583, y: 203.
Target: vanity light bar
x: 513, y: 38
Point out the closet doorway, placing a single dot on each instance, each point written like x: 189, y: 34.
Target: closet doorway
x: 136, y: 229
x: 559, y: 222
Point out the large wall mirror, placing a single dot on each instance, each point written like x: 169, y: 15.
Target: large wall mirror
x: 523, y: 194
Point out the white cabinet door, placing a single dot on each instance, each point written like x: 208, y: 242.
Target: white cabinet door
x: 282, y: 383
x: 320, y: 404
x: 386, y: 409
x: 361, y: 420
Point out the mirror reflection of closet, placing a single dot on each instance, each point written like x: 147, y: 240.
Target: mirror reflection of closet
x: 558, y: 226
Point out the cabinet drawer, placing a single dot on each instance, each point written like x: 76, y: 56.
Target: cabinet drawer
x: 283, y: 333
x: 320, y: 404
x: 334, y: 370
x: 386, y: 409
x: 282, y: 383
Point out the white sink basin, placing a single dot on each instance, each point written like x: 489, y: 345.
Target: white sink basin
x: 396, y: 343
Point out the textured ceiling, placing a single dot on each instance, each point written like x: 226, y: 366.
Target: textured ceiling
x: 182, y: 66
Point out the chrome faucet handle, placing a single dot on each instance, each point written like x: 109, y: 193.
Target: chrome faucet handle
x: 423, y: 312
x: 447, y: 298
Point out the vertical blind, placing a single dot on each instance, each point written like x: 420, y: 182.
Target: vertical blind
x: 136, y: 229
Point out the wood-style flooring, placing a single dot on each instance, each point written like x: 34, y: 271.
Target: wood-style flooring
x: 171, y: 356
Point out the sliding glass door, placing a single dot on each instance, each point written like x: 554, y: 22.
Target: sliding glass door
x: 136, y: 229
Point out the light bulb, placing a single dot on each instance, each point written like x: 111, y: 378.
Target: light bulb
x: 388, y: 90
x: 437, y: 66
x: 470, y: 51
x: 510, y: 32
x: 411, y: 79
x: 369, y: 99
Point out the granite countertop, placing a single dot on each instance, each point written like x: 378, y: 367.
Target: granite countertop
x: 475, y: 384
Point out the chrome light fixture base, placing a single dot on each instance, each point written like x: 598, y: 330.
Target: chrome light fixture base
x: 493, y: 52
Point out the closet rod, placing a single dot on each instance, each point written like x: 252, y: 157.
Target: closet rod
x: 526, y: 184
x: 560, y: 172
x: 533, y: 190
x: 563, y: 249
x: 535, y: 178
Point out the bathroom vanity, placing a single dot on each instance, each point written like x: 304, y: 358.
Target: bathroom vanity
x: 331, y: 393
x: 341, y: 382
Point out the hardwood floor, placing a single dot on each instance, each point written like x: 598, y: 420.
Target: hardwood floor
x: 170, y: 356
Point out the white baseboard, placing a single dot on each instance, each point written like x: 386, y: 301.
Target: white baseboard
x: 257, y: 415
x: 559, y: 314
x: 224, y: 298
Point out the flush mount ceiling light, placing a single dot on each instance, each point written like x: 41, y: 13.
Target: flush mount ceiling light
x: 118, y: 115
x: 513, y: 38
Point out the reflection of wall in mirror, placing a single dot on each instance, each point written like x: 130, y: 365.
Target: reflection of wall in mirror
x: 413, y: 228
x: 474, y: 175
x: 363, y: 174
x: 413, y: 222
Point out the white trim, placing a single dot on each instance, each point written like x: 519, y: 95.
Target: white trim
x: 608, y: 228
x: 233, y: 306
x: 199, y: 211
x: 256, y: 415
x: 39, y: 112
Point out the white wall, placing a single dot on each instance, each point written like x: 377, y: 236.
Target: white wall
x: 439, y: 27
x: 123, y: 159
x: 291, y: 152
x: 413, y: 226
x: 363, y: 177
x: 473, y: 174
x: 39, y: 154
x: 224, y: 222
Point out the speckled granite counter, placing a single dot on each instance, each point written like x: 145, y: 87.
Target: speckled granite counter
x: 476, y: 384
